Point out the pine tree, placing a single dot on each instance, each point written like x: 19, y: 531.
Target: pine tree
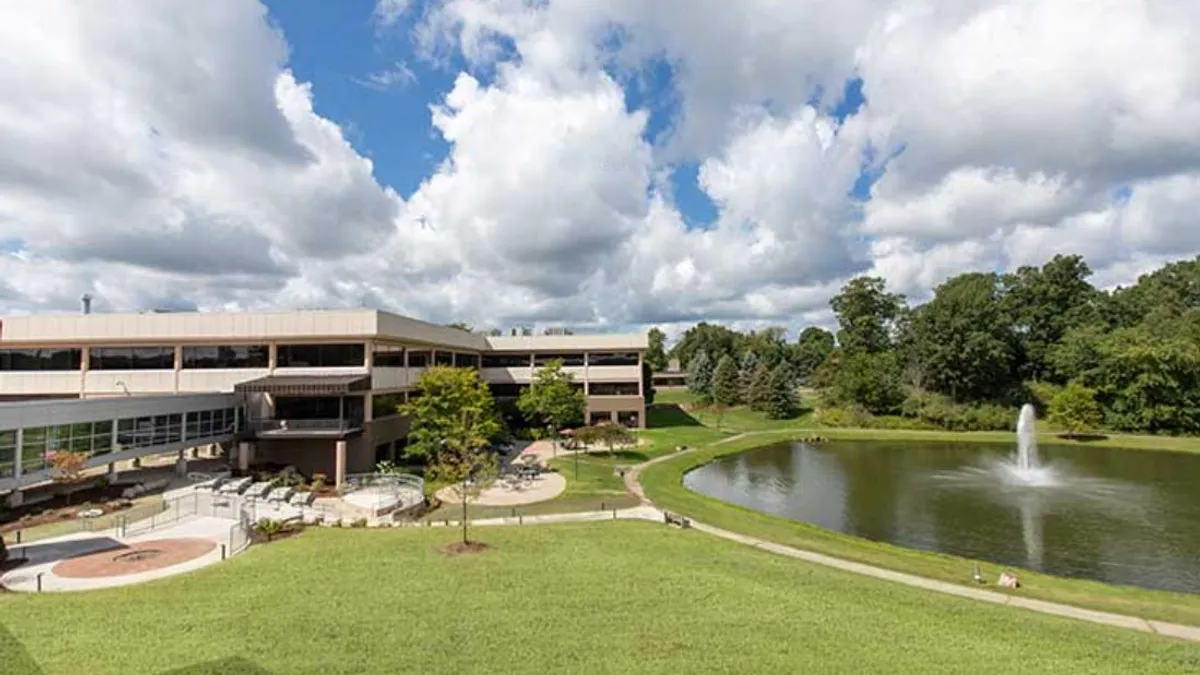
x: 756, y: 393
x: 746, y: 374
x: 724, y: 388
x: 700, y: 374
x: 781, y: 394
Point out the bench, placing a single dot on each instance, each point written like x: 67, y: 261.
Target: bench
x: 676, y: 519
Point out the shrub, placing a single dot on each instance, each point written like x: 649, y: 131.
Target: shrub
x: 318, y: 482
x: 848, y: 416
x: 268, y: 527
x: 1075, y: 409
x: 943, y: 413
x: 358, y: 523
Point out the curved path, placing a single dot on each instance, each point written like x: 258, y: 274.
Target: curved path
x: 633, y: 484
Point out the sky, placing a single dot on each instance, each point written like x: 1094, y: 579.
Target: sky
x: 599, y: 165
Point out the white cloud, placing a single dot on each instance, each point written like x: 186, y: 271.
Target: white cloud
x: 170, y: 157
x: 396, y: 77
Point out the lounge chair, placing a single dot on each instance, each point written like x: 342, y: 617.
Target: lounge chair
x: 280, y: 494
x: 236, y: 486
x: 302, y: 499
x: 258, y: 490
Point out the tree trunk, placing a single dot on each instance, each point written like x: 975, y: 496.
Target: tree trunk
x: 464, y: 516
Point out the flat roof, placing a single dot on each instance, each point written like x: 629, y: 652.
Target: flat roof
x: 300, y: 325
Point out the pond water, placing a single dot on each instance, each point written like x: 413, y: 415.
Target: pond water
x: 1118, y: 516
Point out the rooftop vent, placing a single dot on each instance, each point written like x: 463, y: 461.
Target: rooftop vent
x: 86, y: 302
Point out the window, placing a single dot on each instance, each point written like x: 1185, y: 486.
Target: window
x: 386, y: 356
x: 386, y: 405
x: 506, y: 360
x: 506, y: 389
x: 613, y: 389
x: 418, y: 359
x: 33, y: 449
x: 40, y: 359
x: 466, y: 360
x: 132, y: 358
x: 321, y: 356
x: 567, y: 359
x: 443, y: 358
x: 8, y: 453
x: 628, y: 418
x: 233, y: 356
x: 613, y: 359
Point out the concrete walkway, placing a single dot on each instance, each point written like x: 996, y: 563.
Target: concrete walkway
x: 636, y: 513
x: 633, y: 483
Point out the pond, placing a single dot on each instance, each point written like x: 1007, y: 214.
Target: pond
x: 1117, y: 516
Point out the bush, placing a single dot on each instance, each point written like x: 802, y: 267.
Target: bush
x: 318, y: 482
x: 848, y: 416
x: 1041, y: 395
x: 943, y: 413
x: 268, y: 528
x: 358, y: 523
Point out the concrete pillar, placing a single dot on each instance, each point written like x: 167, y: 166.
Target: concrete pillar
x: 16, y: 499
x: 17, y: 468
x: 181, y: 464
x: 339, y: 464
x: 243, y: 456
x: 113, y: 474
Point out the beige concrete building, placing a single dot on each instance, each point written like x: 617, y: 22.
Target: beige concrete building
x: 317, y: 389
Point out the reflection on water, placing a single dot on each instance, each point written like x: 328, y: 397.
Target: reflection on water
x: 1116, y: 516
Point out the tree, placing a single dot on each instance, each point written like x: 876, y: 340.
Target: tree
x: 461, y: 325
x: 812, y: 348
x: 781, y: 394
x: 648, y: 391
x: 552, y: 399
x: 610, y: 434
x: 1075, y: 409
x: 724, y: 388
x: 746, y: 374
x: 871, y: 381
x: 656, y: 352
x: 758, y: 391
x: 1043, y: 304
x: 964, y: 340
x: 866, y: 315
x: 710, y: 339
x: 453, y: 407
x: 466, y: 462
x: 769, y: 345
x: 67, y: 467
x: 700, y: 374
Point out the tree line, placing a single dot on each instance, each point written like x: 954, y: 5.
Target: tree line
x: 1126, y: 359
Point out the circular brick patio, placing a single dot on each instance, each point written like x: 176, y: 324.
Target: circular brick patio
x: 143, y: 556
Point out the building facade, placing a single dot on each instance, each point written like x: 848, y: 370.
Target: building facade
x: 318, y: 389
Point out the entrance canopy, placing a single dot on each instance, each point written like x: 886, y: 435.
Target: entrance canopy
x: 306, y: 385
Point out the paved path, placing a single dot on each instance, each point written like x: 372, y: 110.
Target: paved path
x: 636, y: 513
x: 545, y: 487
x: 632, y: 482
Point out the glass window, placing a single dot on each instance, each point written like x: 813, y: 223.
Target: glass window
x: 613, y: 389
x: 33, y: 449
x: 102, y: 438
x: 132, y: 358
x: 8, y: 453
x: 81, y: 437
x: 387, y: 356
x: 351, y: 354
x: 629, y: 418
x: 506, y: 389
x: 506, y: 360
x: 613, y: 359
x: 567, y: 359
x: 230, y: 356
x: 386, y: 405
x: 443, y: 358
x: 418, y: 359
x: 40, y: 359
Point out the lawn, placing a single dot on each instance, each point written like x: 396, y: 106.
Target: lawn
x: 610, y: 597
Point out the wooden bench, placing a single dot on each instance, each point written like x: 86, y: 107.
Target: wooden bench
x: 676, y: 519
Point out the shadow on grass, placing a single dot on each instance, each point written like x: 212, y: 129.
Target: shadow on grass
x: 15, y: 659
x: 667, y: 415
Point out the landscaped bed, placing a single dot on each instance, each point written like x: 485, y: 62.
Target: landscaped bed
x: 611, y: 597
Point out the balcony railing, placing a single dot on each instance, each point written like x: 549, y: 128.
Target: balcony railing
x: 300, y: 427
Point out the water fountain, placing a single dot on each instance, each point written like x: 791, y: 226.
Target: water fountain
x: 1027, y: 457
x: 1026, y: 469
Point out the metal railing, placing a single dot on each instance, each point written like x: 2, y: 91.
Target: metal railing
x: 285, y: 425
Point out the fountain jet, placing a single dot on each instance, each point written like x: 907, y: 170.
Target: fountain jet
x: 1027, y: 452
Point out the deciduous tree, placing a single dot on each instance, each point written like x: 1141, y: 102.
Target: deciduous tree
x: 866, y: 315
x: 656, y: 352
x: 1075, y: 409
x: 453, y: 408
x: 552, y: 400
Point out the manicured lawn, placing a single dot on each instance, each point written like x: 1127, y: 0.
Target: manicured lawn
x: 612, y: 597
x: 663, y: 485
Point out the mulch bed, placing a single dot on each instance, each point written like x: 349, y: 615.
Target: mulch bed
x: 464, y: 548
x: 107, y: 499
x: 260, y: 538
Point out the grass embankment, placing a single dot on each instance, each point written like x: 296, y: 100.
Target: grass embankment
x: 663, y: 485
x: 613, y: 597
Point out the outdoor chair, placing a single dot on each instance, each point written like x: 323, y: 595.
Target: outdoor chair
x: 258, y: 490
x: 280, y: 494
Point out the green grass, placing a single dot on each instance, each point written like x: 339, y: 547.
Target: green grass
x: 663, y: 485
x: 588, y: 598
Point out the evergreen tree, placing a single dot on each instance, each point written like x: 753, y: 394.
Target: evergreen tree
x: 700, y: 375
x: 725, y: 386
x: 756, y: 393
x: 781, y: 394
x: 746, y: 374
